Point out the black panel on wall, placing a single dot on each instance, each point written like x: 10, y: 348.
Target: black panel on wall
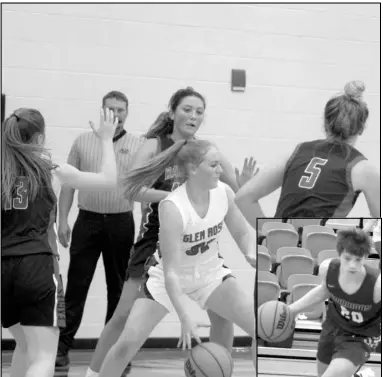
x: 2, y: 107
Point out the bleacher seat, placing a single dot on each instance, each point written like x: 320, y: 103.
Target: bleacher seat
x: 315, y: 311
x: 263, y: 261
x: 277, y: 238
x: 262, y: 249
x: 291, y: 265
x: 267, y: 276
x: 266, y: 227
x: 316, y: 242
x: 260, y: 223
x: 315, y: 229
x: 302, y: 279
x: 326, y: 254
x: 267, y: 291
x: 291, y: 250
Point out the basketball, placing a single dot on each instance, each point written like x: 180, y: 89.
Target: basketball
x: 209, y: 360
x: 275, y: 321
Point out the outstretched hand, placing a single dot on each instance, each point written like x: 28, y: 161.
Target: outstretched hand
x: 249, y: 169
x: 108, y: 124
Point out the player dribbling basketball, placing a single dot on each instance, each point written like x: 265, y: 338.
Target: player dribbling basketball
x: 189, y: 265
x: 352, y: 328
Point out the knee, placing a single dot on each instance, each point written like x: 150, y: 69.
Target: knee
x: 118, y: 320
x: 130, y: 339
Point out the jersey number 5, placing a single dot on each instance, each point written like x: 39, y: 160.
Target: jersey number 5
x: 356, y: 317
x: 21, y: 199
x: 308, y: 182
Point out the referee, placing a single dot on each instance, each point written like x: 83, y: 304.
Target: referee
x: 104, y: 225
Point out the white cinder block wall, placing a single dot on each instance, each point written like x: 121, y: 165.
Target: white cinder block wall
x: 61, y: 59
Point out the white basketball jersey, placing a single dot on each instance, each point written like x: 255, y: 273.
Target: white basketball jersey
x: 200, y: 237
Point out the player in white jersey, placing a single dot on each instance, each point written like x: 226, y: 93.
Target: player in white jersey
x: 189, y: 266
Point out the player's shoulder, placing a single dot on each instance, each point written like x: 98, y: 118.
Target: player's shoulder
x: 324, y: 268
x: 149, y: 146
x: 225, y: 190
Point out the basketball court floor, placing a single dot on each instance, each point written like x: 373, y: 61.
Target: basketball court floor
x: 148, y: 363
x: 168, y: 363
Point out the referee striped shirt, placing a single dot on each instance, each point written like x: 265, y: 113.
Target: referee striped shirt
x: 86, y: 155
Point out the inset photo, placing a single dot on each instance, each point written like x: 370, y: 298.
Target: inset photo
x: 318, y: 307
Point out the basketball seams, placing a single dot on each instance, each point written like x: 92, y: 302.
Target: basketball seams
x: 275, y: 307
x: 287, y: 327
x: 196, y: 365
x: 218, y: 363
x: 260, y: 322
x: 216, y: 354
x: 275, y: 316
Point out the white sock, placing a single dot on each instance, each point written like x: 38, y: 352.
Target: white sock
x: 91, y: 373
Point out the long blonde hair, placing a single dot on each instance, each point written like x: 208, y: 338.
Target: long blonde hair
x: 181, y: 153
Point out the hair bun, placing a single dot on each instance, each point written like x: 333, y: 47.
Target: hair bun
x: 355, y: 89
x: 189, y: 88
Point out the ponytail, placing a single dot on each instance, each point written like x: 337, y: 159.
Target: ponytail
x: 145, y: 176
x: 346, y: 114
x: 162, y: 126
x: 22, y: 155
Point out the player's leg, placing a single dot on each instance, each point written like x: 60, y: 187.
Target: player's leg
x: 117, y: 243
x: 85, y: 250
x: 10, y: 315
x: 115, y: 326
x: 148, y: 310
x: 325, y: 347
x: 231, y: 302
x: 140, y: 253
x: 221, y: 330
x: 321, y: 368
x: 38, y: 290
x: 20, y: 359
x: 42, y: 345
x: 349, y: 355
x: 340, y: 368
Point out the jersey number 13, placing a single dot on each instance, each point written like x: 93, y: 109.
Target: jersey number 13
x: 20, y: 200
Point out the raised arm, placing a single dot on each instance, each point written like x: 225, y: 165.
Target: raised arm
x: 267, y: 180
x: 238, y: 229
x: 146, y: 152
x: 107, y: 178
x: 366, y: 177
x: 316, y: 295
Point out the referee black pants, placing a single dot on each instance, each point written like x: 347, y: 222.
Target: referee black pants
x: 111, y: 235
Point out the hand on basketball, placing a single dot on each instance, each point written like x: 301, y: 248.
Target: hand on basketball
x: 249, y: 169
x: 108, y: 124
x: 188, y: 331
